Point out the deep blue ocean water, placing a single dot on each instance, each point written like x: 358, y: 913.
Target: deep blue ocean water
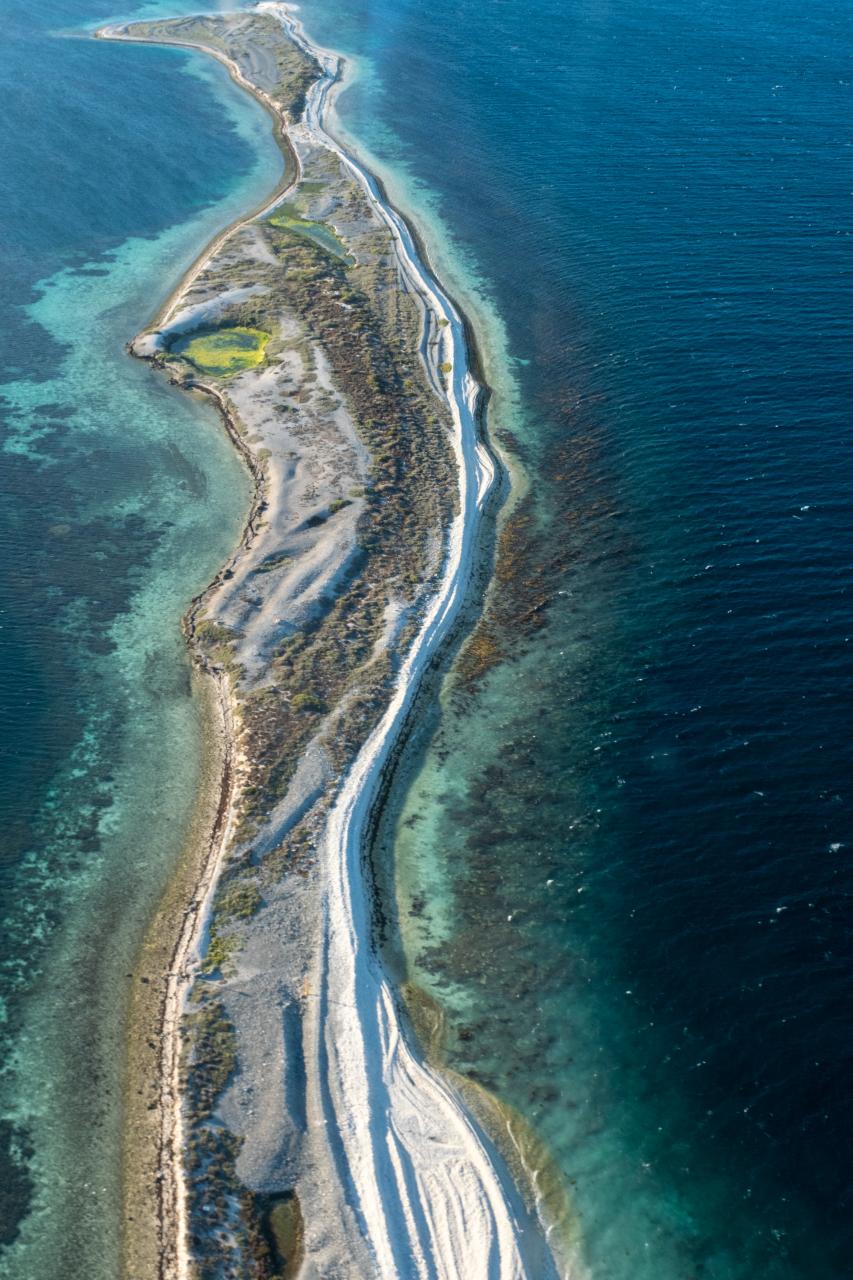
x: 627, y: 854
x: 628, y: 857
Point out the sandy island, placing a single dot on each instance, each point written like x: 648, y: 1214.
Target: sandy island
x: 298, y: 1128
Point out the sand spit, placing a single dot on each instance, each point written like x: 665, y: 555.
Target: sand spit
x: 432, y: 1195
x: 353, y: 551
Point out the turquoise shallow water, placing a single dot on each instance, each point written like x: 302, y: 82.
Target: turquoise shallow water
x: 623, y: 864
x: 120, y: 500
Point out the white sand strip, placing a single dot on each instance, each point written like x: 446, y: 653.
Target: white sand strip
x: 427, y: 1187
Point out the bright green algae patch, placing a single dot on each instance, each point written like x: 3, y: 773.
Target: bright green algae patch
x: 223, y: 352
x: 287, y: 218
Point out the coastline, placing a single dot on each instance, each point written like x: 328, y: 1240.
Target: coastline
x: 289, y: 177
x: 180, y: 920
x: 356, y: 1013
x: 361, y: 797
x: 175, y: 934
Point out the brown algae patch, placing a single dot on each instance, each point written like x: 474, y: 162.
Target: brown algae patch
x: 533, y: 1168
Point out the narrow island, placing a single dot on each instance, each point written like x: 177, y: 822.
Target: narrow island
x: 283, y: 1119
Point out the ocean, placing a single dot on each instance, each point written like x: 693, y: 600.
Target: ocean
x: 120, y: 499
x: 623, y: 861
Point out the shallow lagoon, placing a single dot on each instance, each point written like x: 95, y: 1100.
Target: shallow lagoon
x: 120, y: 500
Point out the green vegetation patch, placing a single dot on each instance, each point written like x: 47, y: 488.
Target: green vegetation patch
x: 288, y: 218
x: 273, y: 562
x: 306, y: 701
x: 220, y: 950
x: 223, y: 352
x: 239, y: 900
x: 219, y: 644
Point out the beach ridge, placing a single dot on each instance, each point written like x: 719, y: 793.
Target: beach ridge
x: 376, y: 1112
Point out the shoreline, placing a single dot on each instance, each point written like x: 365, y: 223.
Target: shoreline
x: 219, y: 710
x: 172, y: 1200
x: 351, y: 822
x: 186, y: 902
x: 288, y: 181
x: 372, y: 1056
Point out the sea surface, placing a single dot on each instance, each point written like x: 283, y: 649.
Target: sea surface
x: 623, y: 864
x: 119, y: 500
